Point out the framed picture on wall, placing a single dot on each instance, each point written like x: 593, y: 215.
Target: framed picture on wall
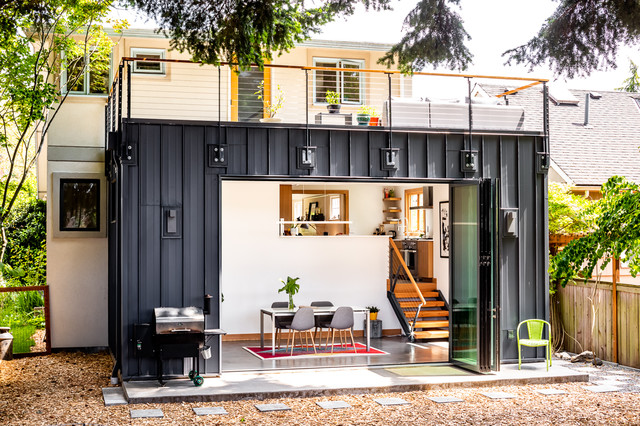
x: 445, y: 230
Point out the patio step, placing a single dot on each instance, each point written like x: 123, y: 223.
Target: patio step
x: 432, y: 324
x: 431, y: 334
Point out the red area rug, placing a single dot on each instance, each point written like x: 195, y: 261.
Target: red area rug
x: 283, y: 352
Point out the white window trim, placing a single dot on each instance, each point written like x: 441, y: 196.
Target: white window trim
x: 339, y: 64
x: 87, y: 69
x: 147, y: 51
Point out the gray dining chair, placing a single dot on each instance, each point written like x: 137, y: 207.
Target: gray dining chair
x: 342, y: 320
x: 321, y: 319
x: 302, y: 321
x: 281, y: 323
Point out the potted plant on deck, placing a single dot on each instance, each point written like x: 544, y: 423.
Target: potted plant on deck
x: 270, y: 109
x: 333, y: 99
x: 364, y: 115
x: 290, y: 287
x: 373, y: 312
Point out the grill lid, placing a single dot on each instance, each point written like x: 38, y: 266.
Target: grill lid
x: 178, y: 320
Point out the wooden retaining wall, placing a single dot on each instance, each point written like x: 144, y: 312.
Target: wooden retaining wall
x: 591, y: 324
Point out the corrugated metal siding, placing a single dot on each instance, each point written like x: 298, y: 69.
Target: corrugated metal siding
x: 169, y: 169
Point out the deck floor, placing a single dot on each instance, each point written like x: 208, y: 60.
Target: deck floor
x: 399, y: 352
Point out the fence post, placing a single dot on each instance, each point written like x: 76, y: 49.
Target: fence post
x: 614, y: 307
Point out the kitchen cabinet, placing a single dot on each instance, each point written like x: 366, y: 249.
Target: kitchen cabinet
x: 425, y: 259
x: 391, y: 211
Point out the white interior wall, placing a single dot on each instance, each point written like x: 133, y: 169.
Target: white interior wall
x: 347, y: 270
x: 440, y: 264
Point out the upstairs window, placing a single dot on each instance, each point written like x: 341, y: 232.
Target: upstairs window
x: 350, y: 84
x: 87, y: 75
x: 148, y: 66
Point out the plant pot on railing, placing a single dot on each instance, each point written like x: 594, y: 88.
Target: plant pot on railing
x: 363, y: 119
x: 333, y: 108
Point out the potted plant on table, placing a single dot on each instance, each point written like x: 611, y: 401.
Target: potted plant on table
x: 290, y: 287
x: 364, y: 115
x: 333, y: 99
x: 373, y: 312
x: 270, y: 109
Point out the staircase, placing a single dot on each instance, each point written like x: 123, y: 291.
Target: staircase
x: 420, y: 307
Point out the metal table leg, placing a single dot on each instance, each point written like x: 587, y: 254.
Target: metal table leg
x: 261, y: 330
x: 273, y: 334
x: 368, y: 321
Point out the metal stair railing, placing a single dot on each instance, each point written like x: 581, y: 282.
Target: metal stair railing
x: 398, y: 269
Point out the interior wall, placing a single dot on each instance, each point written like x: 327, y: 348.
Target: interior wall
x: 347, y: 270
x: 440, y: 264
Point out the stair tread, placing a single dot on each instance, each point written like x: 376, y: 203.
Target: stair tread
x: 408, y: 294
x: 414, y: 304
x: 431, y: 334
x: 422, y: 286
x: 431, y: 324
x: 427, y: 313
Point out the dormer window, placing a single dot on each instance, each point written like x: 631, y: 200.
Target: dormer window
x: 148, y: 65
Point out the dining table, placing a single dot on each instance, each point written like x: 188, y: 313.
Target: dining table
x: 317, y: 310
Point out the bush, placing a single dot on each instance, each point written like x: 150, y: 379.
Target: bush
x: 26, y: 255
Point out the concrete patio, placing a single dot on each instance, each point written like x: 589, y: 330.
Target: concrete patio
x: 335, y: 381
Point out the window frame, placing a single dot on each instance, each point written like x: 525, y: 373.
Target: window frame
x: 421, y: 214
x: 150, y: 51
x: 86, y: 77
x: 102, y: 219
x: 340, y: 79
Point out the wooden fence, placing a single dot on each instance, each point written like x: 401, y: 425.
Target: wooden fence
x: 586, y: 313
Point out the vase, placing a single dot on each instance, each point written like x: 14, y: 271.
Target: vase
x: 333, y: 108
x: 363, y: 119
x: 373, y: 316
x: 291, y: 305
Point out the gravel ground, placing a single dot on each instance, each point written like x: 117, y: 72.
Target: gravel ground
x: 65, y: 388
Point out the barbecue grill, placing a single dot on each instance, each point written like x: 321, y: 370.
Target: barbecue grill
x: 176, y: 333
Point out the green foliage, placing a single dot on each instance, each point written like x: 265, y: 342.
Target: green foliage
x: 371, y: 110
x: 270, y: 108
x: 434, y: 35
x: 291, y: 286
x: 244, y: 31
x: 26, y: 255
x: 332, y: 98
x: 38, y: 40
x: 581, y: 36
x: 616, y: 234
x: 22, y: 340
x: 373, y: 309
x: 631, y: 84
x: 568, y: 211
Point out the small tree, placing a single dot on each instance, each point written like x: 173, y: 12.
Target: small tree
x: 631, y: 84
x: 40, y: 42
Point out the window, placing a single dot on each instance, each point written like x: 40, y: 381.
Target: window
x: 350, y: 84
x: 87, y: 80
x: 148, y: 66
x: 79, y: 205
x: 334, y: 205
x: 415, y: 218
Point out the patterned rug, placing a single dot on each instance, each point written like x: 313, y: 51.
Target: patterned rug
x: 301, y: 352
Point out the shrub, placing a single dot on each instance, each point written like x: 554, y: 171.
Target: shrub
x: 26, y: 255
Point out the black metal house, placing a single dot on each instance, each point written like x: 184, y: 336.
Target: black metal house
x: 165, y: 179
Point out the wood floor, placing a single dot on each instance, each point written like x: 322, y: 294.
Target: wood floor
x: 235, y: 358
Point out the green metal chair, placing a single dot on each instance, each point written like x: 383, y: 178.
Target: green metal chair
x: 535, y: 327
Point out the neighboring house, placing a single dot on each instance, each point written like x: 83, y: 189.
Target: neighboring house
x: 592, y: 135
x: 198, y: 197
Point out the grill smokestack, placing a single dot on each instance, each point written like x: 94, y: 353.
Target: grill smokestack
x: 587, y: 97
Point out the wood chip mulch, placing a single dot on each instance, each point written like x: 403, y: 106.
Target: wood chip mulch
x: 65, y: 388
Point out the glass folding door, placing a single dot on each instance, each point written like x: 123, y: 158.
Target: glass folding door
x: 473, y: 290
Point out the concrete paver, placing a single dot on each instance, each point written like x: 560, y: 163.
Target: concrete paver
x: 272, y: 407
x: 445, y: 399
x: 113, y: 396
x: 391, y: 401
x: 145, y: 414
x: 332, y: 405
x: 208, y: 411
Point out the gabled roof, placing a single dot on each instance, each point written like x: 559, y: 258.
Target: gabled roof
x: 589, y: 155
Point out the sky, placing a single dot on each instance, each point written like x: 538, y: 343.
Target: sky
x: 494, y: 26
